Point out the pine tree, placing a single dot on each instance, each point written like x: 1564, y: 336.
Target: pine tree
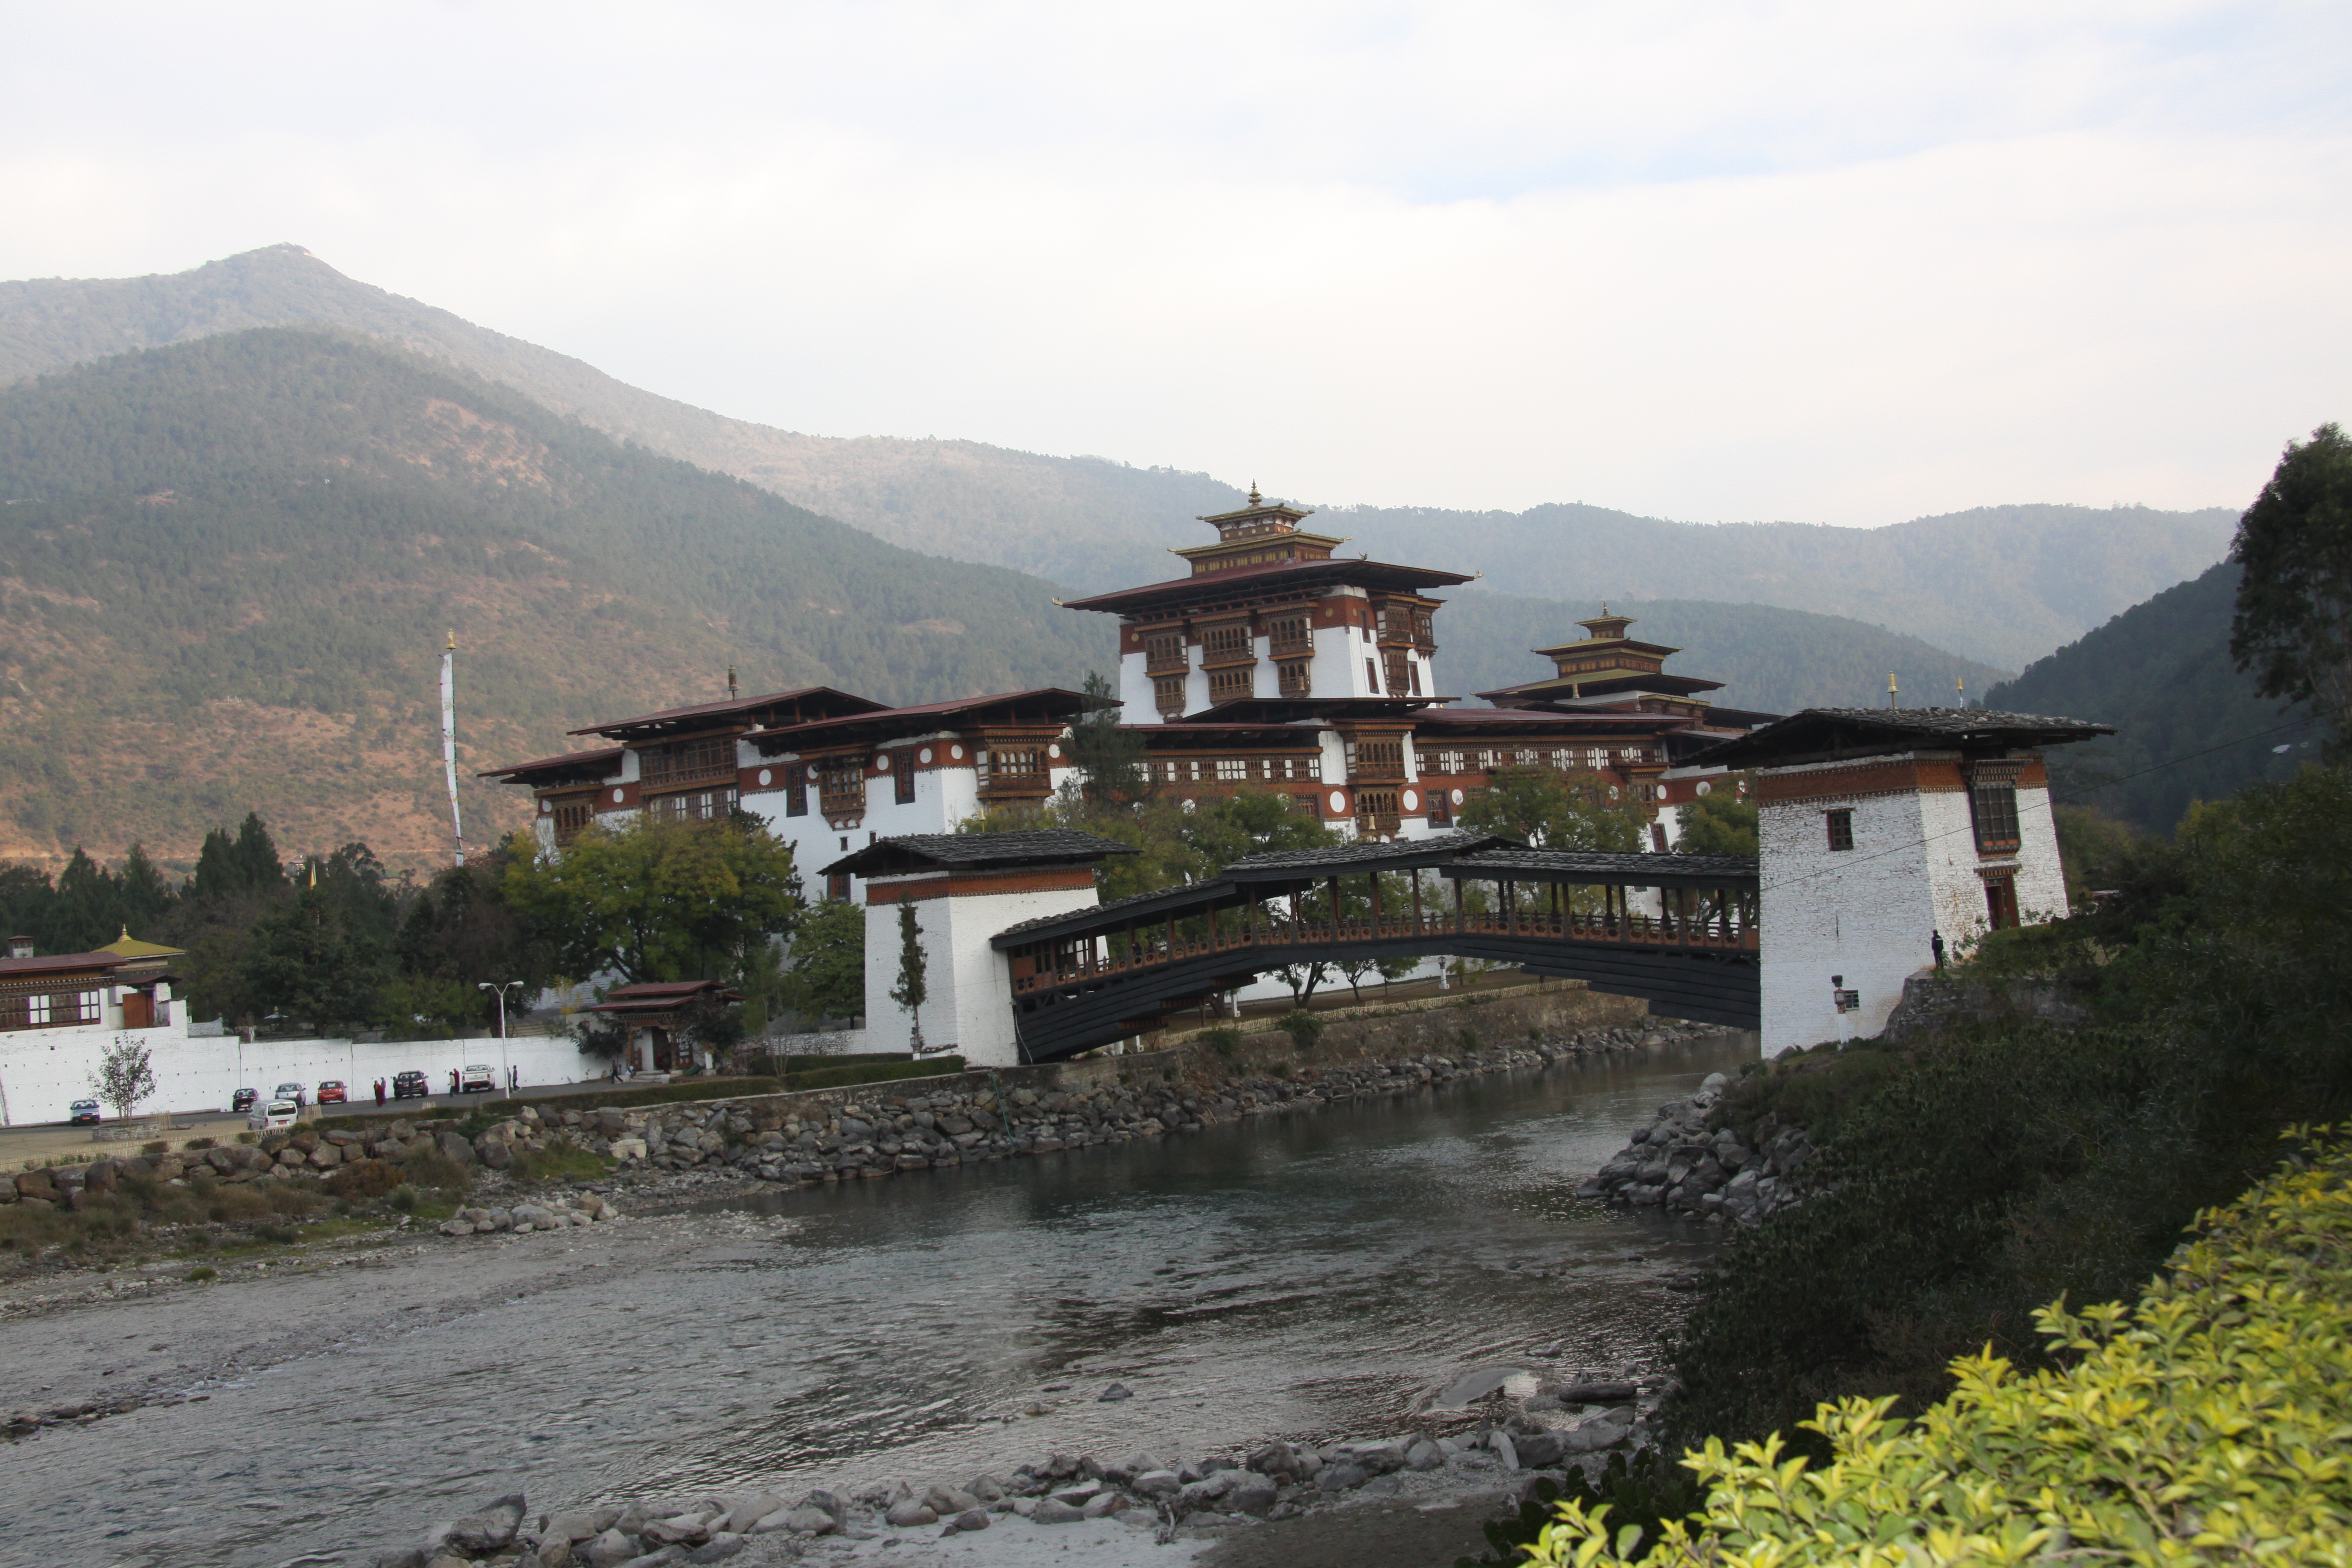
x: 912, y: 988
x: 2292, y: 631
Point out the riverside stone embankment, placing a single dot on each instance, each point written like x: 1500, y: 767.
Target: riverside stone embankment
x: 1710, y: 1172
x: 857, y: 1134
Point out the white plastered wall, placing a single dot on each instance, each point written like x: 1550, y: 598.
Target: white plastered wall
x: 968, y: 1005
x: 1866, y: 913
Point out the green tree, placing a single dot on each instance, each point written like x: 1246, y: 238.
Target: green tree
x: 125, y: 1076
x: 88, y: 906
x: 310, y: 960
x: 145, y: 897
x: 1108, y: 756
x: 827, y: 977
x: 1721, y: 822
x: 652, y: 900
x: 913, y: 987
x: 1547, y: 809
x: 2293, y: 628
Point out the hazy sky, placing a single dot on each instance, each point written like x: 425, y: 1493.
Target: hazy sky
x: 1843, y: 263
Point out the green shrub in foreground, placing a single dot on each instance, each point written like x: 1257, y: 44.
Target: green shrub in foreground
x: 2210, y: 1423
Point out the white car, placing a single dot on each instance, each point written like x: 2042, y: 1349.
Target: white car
x: 479, y: 1080
x: 271, y: 1114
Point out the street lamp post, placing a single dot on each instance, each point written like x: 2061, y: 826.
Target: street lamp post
x: 506, y: 1074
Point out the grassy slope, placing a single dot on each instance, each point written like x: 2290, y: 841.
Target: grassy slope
x: 2160, y: 672
x: 226, y: 568
x: 2003, y: 584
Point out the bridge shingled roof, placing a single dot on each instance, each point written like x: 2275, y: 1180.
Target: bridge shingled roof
x: 1594, y: 866
x: 976, y: 851
x: 1339, y: 859
x: 1826, y: 734
x: 1189, y: 897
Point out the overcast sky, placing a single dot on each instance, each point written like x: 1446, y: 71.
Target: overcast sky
x: 1838, y: 263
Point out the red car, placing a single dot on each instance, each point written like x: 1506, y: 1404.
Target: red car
x: 332, y: 1092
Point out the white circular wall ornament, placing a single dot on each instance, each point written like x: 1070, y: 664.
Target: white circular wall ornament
x: 955, y: 753
x: 1053, y: 748
x: 924, y: 755
x: 1338, y: 801
x: 1188, y: 806
x: 882, y: 762
x: 1613, y: 792
x: 1458, y: 797
x: 1704, y: 787
x: 766, y: 777
x: 546, y: 806
x: 1412, y: 802
x: 619, y: 795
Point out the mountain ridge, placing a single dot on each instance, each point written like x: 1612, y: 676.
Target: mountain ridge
x: 1999, y: 585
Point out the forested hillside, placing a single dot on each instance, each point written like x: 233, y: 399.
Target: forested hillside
x: 1768, y: 658
x: 227, y: 568
x: 2004, y: 585
x: 2160, y: 672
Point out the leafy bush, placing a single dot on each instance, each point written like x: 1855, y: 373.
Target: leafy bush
x: 1223, y: 1041
x: 364, y: 1179
x: 2206, y: 1424
x: 561, y: 1160
x: 1305, y: 1028
x: 431, y: 1168
x: 203, y: 1273
x: 1647, y: 1493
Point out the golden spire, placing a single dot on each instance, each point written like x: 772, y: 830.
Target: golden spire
x: 730, y: 683
x: 1894, y: 697
x: 1255, y: 499
x: 453, y: 641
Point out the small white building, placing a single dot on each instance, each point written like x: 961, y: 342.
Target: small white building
x: 1881, y: 831
x: 964, y: 888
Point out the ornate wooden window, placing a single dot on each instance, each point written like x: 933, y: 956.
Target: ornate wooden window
x: 1372, y: 676
x: 49, y: 1009
x: 1289, y: 635
x: 1441, y: 808
x: 1168, y: 694
x: 902, y: 774
x: 1308, y: 804
x: 1227, y: 644
x: 687, y: 761
x: 836, y: 887
x: 1992, y: 808
x: 1376, y: 759
x: 1165, y: 651
x: 796, y: 780
x: 1230, y: 685
x: 573, y: 815
x: 692, y: 805
x: 841, y: 786
x: 1012, y: 770
x: 1841, y: 829
x: 1297, y: 679
x: 1376, y: 813
x: 1424, y: 631
x: 1232, y: 770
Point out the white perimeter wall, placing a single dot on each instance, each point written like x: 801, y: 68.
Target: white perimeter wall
x: 44, y: 1071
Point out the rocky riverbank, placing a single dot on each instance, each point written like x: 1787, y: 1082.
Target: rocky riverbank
x: 1690, y: 1163
x: 1556, y: 1428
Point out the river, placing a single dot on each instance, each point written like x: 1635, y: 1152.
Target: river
x: 1315, y: 1276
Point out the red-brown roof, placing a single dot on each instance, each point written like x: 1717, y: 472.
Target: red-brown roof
x: 1052, y: 704
x: 58, y: 962
x: 826, y: 697
x: 567, y: 761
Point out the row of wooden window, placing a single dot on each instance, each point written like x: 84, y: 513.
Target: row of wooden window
x: 693, y: 806
x: 1560, y: 757
x: 50, y: 1010
x: 1235, y: 770
x: 684, y: 761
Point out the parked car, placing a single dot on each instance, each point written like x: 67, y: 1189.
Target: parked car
x: 479, y: 1080
x: 332, y: 1092
x: 243, y: 1099
x: 85, y: 1113
x: 293, y: 1091
x: 272, y: 1114
x: 410, y: 1086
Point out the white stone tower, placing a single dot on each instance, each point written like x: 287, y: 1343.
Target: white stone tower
x: 1881, y: 830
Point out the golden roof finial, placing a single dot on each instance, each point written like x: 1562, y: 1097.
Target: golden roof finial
x: 453, y: 641
x: 1255, y: 499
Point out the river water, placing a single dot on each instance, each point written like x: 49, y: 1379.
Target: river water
x: 1317, y: 1276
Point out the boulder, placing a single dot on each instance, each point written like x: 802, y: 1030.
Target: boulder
x: 1588, y: 1392
x: 1053, y: 1510
x: 608, y: 1550
x: 492, y: 1151
x: 1538, y: 1450
x: 949, y: 1501
x: 909, y: 1514
x: 554, y: 1552
x: 800, y: 1521
x: 1157, y: 1484
x: 1251, y: 1494
x: 719, y: 1548
x: 1425, y: 1455
x: 579, y: 1523
x: 327, y: 1156
x: 970, y: 1518
x: 678, y: 1529
x: 492, y: 1527
x: 454, y: 1147
x: 1341, y: 1476
x: 1504, y: 1449
x: 36, y: 1184
x: 1103, y: 1504
x: 1117, y: 1391
x: 748, y: 1511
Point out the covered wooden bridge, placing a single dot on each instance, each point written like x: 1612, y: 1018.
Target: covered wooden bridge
x: 1678, y: 931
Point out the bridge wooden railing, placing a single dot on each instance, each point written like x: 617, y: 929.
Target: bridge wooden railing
x: 1719, y: 928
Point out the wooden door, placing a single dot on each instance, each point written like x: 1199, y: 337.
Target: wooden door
x: 2001, y: 901
x: 138, y: 1010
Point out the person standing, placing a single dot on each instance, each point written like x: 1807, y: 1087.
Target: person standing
x: 379, y: 1094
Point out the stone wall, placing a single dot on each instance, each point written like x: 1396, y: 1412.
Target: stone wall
x: 1932, y: 1002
